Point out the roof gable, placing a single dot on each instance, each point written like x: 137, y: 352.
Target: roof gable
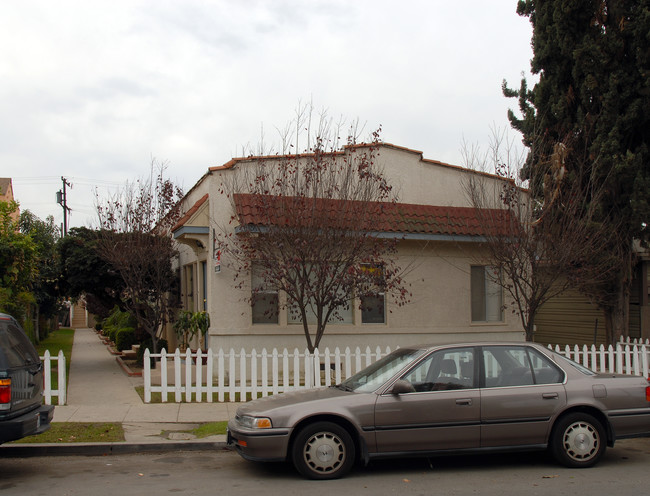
x: 196, y: 215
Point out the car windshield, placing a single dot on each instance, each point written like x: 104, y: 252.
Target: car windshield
x: 373, y: 376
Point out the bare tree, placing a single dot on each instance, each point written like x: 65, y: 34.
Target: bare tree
x: 307, y: 228
x: 539, y: 243
x: 134, y: 239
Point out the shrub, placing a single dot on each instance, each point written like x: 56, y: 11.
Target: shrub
x: 119, y: 319
x: 112, y: 332
x: 125, y: 338
x: 162, y: 343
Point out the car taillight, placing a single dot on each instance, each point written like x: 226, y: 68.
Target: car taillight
x: 647, y: 393
x: 5, y: 391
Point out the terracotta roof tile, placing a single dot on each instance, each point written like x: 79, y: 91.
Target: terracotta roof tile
x: 259, y: 210
x: 188, y: 215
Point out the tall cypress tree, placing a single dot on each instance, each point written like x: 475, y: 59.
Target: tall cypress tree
x: 593, y: 62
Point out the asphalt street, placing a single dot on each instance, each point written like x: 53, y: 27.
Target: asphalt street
x: 623, y: 471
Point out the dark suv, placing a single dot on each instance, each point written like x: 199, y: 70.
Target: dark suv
x: 21, y: 385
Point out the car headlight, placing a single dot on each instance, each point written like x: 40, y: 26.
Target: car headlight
x: 255, y: 422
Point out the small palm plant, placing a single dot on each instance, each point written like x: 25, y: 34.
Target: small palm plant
x: 189, y: 325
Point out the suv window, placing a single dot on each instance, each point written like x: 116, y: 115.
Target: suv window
x: 16, y: 346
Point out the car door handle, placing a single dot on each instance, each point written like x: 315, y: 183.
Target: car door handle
x: 550, y: 396
x: 464, y: 401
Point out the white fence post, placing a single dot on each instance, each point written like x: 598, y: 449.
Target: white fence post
x: 242, y: 375
x: 209, y: 376
x: 163, y: 375
x: 178, y: 383
x: 47, y: 377
x: 147, y: 376
x: 63, y: 386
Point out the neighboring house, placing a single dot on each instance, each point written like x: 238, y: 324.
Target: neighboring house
x: 7, y: 193
x: 571, y: 318
x: 452, y: 298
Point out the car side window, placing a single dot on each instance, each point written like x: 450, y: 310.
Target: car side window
x: 506, y: 366
x: 443, y: 370
x: 544, y: 370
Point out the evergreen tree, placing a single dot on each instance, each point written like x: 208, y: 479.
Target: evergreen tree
x: 593, y: 93
x: 45, y: 235
x: 18, y: 264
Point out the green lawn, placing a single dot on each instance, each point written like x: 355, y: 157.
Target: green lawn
x: 156, y: 397
x: 78, y: 432
x: 105, y: 432
x: 210, y: 429
x: 60, y: 339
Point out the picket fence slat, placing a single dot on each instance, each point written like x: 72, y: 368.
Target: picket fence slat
x: 48, y: 389
x: 237, y: 376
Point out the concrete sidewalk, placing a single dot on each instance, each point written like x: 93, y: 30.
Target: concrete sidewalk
x: 100, y: 391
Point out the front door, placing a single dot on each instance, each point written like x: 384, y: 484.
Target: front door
x: 442, y: 411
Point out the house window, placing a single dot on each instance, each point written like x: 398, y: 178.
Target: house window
x: 188, y: 287
x: 373, y: 304
x: 204, y: 287
x: 264, y: 299
x: 342, y: 315
x: 487, y: 294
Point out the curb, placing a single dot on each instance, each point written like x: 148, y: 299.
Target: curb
x: 126, y: 369
x: 104, y: 449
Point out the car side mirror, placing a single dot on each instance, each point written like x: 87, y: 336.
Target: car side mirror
x: 402, y: 387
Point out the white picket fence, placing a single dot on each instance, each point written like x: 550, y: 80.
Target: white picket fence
x: 627, y: 357
x: 231, y: 376
x: 239, y: 374
x: 48, y: 391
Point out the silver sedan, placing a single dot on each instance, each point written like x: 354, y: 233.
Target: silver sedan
x: 432, y: 400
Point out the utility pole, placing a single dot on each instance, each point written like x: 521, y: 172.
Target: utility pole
x: 61, y: 199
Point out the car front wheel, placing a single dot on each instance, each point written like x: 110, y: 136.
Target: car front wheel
x: 323, y: 450
x: 578, y: 440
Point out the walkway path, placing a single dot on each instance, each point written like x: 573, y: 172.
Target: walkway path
x: 99, y: 391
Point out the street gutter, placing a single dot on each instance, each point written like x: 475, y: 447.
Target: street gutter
x: 27, y: 450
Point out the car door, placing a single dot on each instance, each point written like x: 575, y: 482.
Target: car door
x: 442, y: 411
x: 521, y: 392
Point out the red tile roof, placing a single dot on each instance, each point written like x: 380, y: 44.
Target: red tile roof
x: 263, y: 210
x: 188, y: 215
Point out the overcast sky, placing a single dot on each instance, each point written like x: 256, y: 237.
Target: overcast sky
x: 92, y: 90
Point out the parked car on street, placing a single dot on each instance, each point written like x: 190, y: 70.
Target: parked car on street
x: 433, y: 400
x: 21, y: 385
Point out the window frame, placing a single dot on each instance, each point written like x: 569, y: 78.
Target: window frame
x: 380, y: 295
x: 273, y: 318
x: 485, y: 293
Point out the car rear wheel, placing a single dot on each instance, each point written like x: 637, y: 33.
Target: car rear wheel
x: 578, y: 440
x: 323, y: 450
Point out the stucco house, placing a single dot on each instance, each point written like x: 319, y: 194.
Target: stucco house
x: 7, y: 194
x: 452, y: 300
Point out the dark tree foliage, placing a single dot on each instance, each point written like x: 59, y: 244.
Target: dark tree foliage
x: 593, y: 63
x: 85, y: 272
x: 44, y: 234
x: 17, y: 264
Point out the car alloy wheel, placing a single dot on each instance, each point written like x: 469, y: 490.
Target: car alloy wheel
x: 323, y: 450
x: 579, y: 440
